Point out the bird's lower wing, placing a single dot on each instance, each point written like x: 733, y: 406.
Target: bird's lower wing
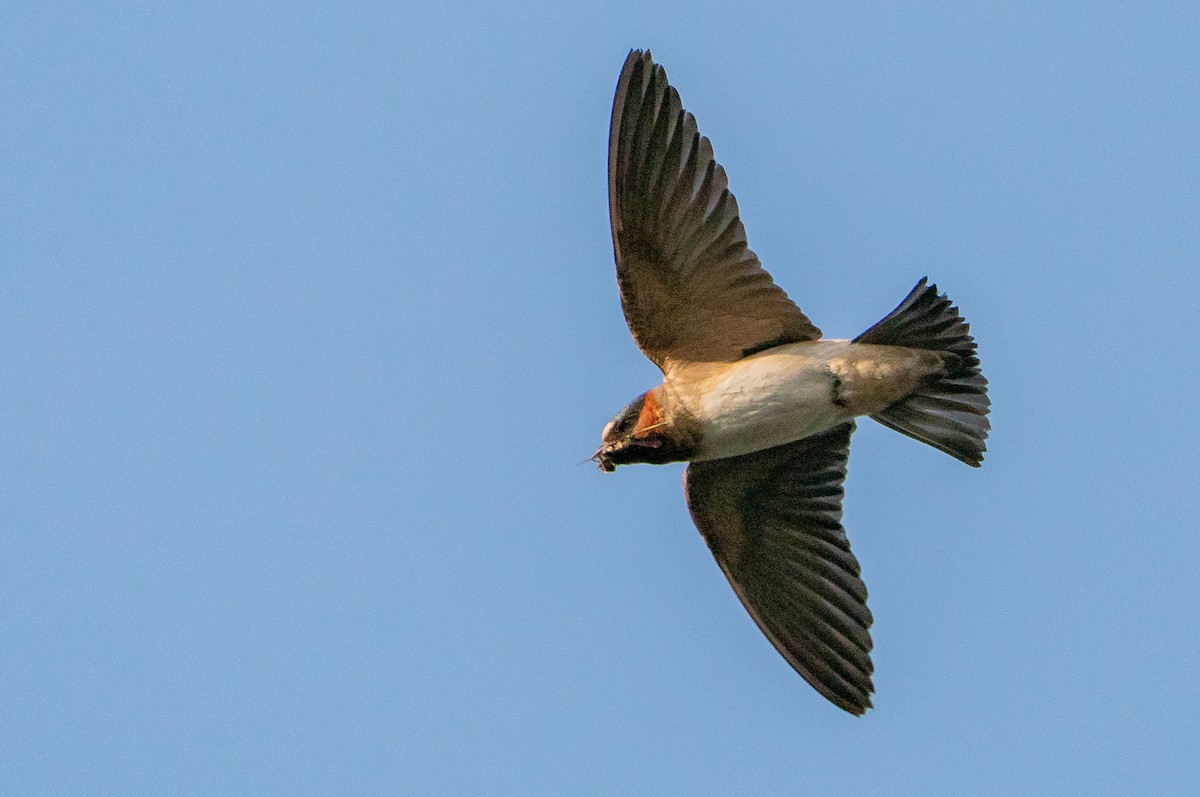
x: 773, y: 521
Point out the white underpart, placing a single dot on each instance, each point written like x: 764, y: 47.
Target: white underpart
x: 772, y: 398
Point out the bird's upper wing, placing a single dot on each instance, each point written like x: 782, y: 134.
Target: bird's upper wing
x: 690, y: 287
x: 773, y: 521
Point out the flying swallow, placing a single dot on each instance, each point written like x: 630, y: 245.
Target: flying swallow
x: 758, y: 403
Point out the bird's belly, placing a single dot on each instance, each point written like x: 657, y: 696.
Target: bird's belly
x: 766, y: 401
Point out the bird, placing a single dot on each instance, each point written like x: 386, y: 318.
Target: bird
x: 758, y: 403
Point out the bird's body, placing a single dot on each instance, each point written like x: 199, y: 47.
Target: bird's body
x: 789, y: 392
x: 754, y: 398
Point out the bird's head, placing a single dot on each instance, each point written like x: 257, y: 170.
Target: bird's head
x: 639, y: 433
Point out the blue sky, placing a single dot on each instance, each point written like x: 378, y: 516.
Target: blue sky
x: 309, y: 315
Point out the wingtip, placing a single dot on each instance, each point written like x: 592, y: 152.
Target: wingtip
x: 857, y: 708
x: 638, y: 54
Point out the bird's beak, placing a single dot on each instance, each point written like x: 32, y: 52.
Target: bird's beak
x: 601, y: 459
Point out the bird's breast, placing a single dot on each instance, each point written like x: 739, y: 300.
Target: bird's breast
x: 766, y: 400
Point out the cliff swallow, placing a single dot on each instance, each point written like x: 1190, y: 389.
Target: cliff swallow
x: 758, y: 403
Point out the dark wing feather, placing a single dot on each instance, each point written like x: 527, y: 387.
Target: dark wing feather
x: 690, y: 286
x: 773, y: 521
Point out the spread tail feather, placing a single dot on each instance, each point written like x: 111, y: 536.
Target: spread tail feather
x: 950, y: 411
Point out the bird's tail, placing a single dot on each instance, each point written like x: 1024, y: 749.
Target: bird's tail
x: 950, y: 411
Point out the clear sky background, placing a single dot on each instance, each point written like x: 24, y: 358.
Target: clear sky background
x: 308, y: 317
